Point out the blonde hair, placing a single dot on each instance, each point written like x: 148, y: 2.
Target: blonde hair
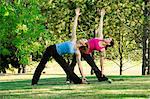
x: 82, y: 41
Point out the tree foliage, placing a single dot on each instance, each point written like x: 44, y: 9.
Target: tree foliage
x: 31, y: 25
x: 21, y: 28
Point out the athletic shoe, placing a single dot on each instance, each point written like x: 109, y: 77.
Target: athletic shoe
x: 105, y: 79
x: 85, y: 82
x: 33, y: 83
x: 67, y: 82
x: 109, y: 81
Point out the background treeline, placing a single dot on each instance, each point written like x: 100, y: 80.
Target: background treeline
x: 28, y: 26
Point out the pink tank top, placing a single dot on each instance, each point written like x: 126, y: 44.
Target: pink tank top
x: 93, y: 44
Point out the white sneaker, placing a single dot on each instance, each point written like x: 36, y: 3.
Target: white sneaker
x: 109, y: 81
x: 67, y: 82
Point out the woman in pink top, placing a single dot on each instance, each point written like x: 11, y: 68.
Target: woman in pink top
x: 98, y: 44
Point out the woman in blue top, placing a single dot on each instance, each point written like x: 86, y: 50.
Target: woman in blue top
x: 57, y: 50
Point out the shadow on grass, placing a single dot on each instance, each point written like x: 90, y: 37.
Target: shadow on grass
x: 60, y: 81
x: 26, y: 84
x: 105, y: 96
x: 56, y: 88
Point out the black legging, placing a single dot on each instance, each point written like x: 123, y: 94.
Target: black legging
x: 90, y: 61
x: 51, y: 51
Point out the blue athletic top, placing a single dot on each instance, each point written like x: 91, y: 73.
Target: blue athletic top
x: 65, y: 48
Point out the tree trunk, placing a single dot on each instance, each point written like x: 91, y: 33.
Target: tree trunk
x: 120, y: 52
x: 121, y: 65
x: 148, y: 31
x: 92, y: 71
x: 145, y: 60
x: 144, y: 55
x: 23, y: 68
x: 149, y: 55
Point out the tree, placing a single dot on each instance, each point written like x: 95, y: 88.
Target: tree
x: 22, y: 26
x: 146, y: 41
x: 31, y: 25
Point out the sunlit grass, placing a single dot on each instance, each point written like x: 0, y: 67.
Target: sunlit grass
x: 54, y: 87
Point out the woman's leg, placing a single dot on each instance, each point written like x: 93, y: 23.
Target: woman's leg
x: 61, y: 61
x: 47, y: 54
x: 91, y: 62
x: 72, y: 65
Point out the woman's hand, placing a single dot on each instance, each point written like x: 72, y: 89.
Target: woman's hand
x: 103, y: 12
x: 77, y: 10
x: 84, y: 80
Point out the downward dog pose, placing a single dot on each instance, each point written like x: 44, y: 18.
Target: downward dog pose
x: 98, y: 44
x: 57, y: 50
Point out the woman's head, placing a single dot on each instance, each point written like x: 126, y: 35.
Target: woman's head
x: 109, y: 42
x: 82, y: 42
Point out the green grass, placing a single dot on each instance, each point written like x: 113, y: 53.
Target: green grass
x: 54, y: 87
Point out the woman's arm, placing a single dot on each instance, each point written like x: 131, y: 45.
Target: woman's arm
x: 102, y: 62
x: 78, y: 58
x: 100, y: 27
x: 100, y: 35
x: 73, y: 37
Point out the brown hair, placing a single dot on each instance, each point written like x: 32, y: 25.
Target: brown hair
x: 83, y: 49
x: 111, y: 44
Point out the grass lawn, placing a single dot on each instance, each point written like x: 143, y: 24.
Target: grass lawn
x: 54, y: 87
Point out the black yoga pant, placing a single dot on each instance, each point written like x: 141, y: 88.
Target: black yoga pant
x: 90, y: 61
x: 51, y: 51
